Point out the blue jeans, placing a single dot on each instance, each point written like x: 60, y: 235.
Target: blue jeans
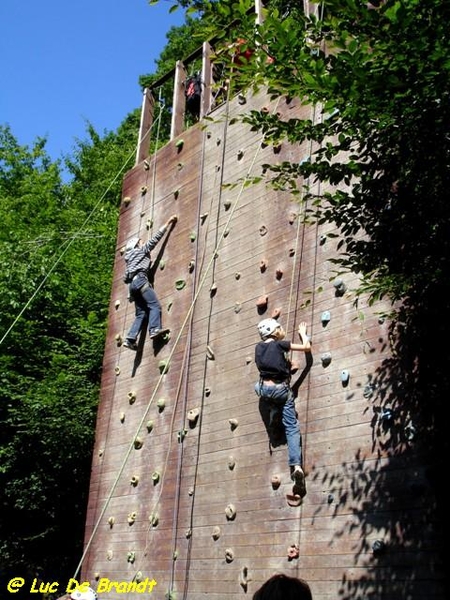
x: 280, y: 397
x: 146, y: 305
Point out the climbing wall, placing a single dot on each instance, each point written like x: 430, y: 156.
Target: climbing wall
x: 188, y: 498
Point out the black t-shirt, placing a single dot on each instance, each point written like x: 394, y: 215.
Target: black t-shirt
x: 271, y: 360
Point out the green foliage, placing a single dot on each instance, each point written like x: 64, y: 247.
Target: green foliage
x: 58, y: 245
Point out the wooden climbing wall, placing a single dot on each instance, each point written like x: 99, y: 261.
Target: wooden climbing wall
x: 191, y: 503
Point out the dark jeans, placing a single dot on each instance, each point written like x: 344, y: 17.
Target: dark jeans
x: 280, y: 397
x: 146, y: 305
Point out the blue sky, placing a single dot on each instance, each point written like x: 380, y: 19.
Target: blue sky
x: 65, y: 62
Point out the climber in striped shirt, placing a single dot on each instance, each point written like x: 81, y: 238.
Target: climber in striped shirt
x: 141, y: 292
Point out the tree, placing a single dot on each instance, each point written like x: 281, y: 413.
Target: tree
x: 58, y: 247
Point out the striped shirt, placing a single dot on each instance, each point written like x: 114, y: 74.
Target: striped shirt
x: 138, y: 259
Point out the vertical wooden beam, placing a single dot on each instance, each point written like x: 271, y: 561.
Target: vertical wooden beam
x: 147, y: 111
x: 259, y: 11
x: 179, y: 101
x: 205, y: 106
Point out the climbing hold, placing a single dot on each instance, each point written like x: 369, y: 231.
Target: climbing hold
x: 134, y: 480
x: 276, y: 481
x: 345, y: 376
x: 131, y: 518
x: 162, y: 264
x: 330, y: 498
x: 248, y: 360
x: 229, y: 555
x: 163, y: 366
x: 175, y: 555
x: 293, y: 551
x: 117, y: 304
x: 146, y: 165
x: 378, y: 547
x: 127, y: 200
x: 203, y: 217
x: 244, y: 579
x: 181, y: 435
x: 180, y: 166
x: 217, y: 168
x: 226, y: 232
x: 237, y: 275
x: 118, y: 339
x: 218, y: 141
x: 216, y: 533
x: 155, y: 477
x: 169, y: 306
x: 213, y: 289
x: 263, y: 265
x: 191, y: 266
x: 242, y: 99
x: 233, y: 423
x: 369, y: 390
x: 292, y: 217
x: 322, y: 239
x: 180, y: 284
x: 131, y: 557
x: 210, y: 353
x: 188, y: 533
x: 291, y: 252
x: 122, y: 417
x: 109, y: 555
x: 149, y: 426
x: 143, y: 189
x: 161, y: 404
x: 231, y: 462
x: 279, y: 274
x: 149, y: 224
x: 191, y: 491
x: 193, y: 415
x: 97, y: 575
x: 340, y: 287
x: 100, y: 452
x: 262, y: 230
x: 277, y: 149
x: 230, y: 512
x: 237, y: 307
x: 176, y: 193
x: 138, y: 443
x: 262, y: 302
x: 154, y: 519
x: 325, y: 317
x: 117, y: 370
x: 132, y: 397
x: 111, y: 521
x: 325, y: 359
x: 193, y: 236
x: 207, y: 391
x: 227, y: 204
x: 240, y: 154
x: 138, y: 576
x: 179, y: 144
x: 276, y: 312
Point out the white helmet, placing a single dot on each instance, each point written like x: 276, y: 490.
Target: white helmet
x: 84, y: 594
x: 267, y: 327
x: 131, y: 244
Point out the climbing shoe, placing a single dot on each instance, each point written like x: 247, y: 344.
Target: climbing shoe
x: 158, y: 332
x: 130, y: 344
x: 299, y: 481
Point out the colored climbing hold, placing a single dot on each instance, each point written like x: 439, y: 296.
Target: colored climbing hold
x: 155, y: 477
x: 138, y: 443
x: 163, y: 366
x: 161, y: 404
x: 180, y: 284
